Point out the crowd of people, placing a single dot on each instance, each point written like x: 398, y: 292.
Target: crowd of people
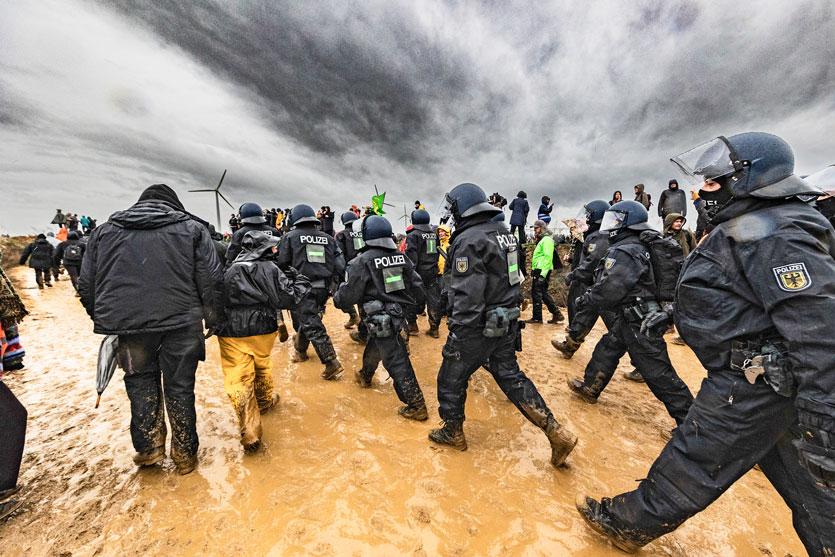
x: 752, y: 292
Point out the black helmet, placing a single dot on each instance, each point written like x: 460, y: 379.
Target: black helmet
x: 466, y: 200
x: 301, y: 214
x: 499, y: 217
x: 72, y: 235
x: 420, y: 216
x: 625, y: 215
x: 376, y: 231
x: 251, y: 213
x: 348, y: 217
x: 594, y: 210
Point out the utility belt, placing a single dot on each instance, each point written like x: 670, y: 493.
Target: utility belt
x: 379, y: 318
x: 639, y: 309
x: 766, y: 358
x: 498, y: 320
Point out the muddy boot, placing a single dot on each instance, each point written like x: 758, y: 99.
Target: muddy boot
x: 361, y: 380
x: 579, y: 388
x: 272, y: 404
x: 149, y: 458
x: 562, y: 442
x: 252, y: 447
x: 412, y: 328
x: 353, y: 321
x: 40, y: 286
x: 533, y: 321
x: 415, y: 411
x: 8, y: 507
x: 433, y: 332
x: 452, y: 434
x: 297, y: 356
x: 567, y: 347
x: 185, y: 464
x: 283, y: 335
x: 635, y: 376
x: 557, y: 318
x: 678, y: 340
x: 356, y: 337
x: 333, y: 370
x: 599, y: 520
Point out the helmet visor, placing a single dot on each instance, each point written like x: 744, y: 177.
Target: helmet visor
x: 581, y: 221
x: 708, y: 161
x: 447, y: 217
x: 613, y: 220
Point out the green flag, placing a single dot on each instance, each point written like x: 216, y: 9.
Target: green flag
x: 377, y: 202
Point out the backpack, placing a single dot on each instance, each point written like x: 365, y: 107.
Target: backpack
x: 666, y: 257
x: 73, y: 253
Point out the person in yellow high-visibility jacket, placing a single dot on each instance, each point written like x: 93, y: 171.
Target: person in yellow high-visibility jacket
x: 542, y: 263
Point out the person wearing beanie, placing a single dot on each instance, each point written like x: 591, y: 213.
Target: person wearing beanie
x: 70, y: 253
x: 39, y: 254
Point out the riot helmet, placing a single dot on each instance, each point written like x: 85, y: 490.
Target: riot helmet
x: 594, y: 211
x: 376, y: 231
x: 301, y: 214
x: 465, y: 201
x: 421, y: 216
x: 625, y: 215
x: 251, y: 213
x: 348, y: 217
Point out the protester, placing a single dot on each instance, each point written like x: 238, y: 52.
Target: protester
x: 56, y: 266
x: 59, y: 219
x: 70, y: 253
x: 419, y: 205
x: 542, y: 263
x: 85, y: 224
x: 39, y: 253
x: 497, y: 200
x: 617, y: 197
x: 674, y: 228
x: 544, y: 213
x: 325, y: 216
x: 256, y: 289
x: 151, y: 275
x: 444, y: 234
x: 519, y: 209
x: 642, y: 197
x: 672, y: 200
x: 72, y: 222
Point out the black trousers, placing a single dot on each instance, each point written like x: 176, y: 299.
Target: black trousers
x: 44, y: 276
x: 434, y: 313
x: 464, y: 354
x: 12, y: 437
x: 731, y: 426
x: 519, y: 230
x: 159, y: 376
x: 575, y: 290
x: 307, y: 321
x: 540, y: 295
x: 584, y: 318
x: 394, y: 354
x: 73, y: 271
x: 648, y: 354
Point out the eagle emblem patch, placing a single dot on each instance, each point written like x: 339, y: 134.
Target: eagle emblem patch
x: 793, y: 277
x: 609, y: 263
x: 462, y: 264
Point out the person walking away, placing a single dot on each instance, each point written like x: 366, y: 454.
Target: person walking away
x: 251, y: 218
x: 350, y: 243
x: 672, y: 200
x: 384, y: 281
x: 150, y: 275
x: 70, y: 253
x: 233, y: 223
x: 60, y: 219
x: 768, y: 399
x: 642, y: 197
x: 483, y: 302
x: 624, y: 291
x: 544, y: 213
x: 56, y: 266
x: 326, y: 217
x: 85, y: 224
x: 617, y: 197
x: 542, y: 263
x: 256, y: 289
x: 519, y: 209
x: 72, y: 222
x: 40, y: 256
x: 315, y: 255
x: 422, y: 251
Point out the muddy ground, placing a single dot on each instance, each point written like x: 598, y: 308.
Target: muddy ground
x: 341, y: 472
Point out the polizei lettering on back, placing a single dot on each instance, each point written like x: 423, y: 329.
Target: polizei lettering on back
x: 428, y: 236
x: 389, y: 261
x: 506, y: 241
x: 322, y: 240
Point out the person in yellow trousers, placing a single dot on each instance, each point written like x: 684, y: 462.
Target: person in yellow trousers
x: 256, y: 290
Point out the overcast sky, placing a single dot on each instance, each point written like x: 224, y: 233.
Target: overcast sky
x: 318, y: 101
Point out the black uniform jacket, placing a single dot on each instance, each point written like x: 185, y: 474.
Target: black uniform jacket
x: 379, y: 274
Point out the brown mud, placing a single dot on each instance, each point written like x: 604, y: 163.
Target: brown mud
x: 341, y: 473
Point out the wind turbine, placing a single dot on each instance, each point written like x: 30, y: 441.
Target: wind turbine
x: 218, y: 197
x: 405, y: 217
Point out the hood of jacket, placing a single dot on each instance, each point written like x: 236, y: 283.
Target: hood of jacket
x: 147, y: 215
x: 255, y: 245
x: 640, y: 188
x: 670, y: 219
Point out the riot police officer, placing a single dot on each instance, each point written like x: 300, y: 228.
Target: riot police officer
x: 251, y: 218
x: 315, y: 255
x: 756, y: 303
x: 384, y: 281
x: 625, y: 289
x: 350, y: 243
x: 483, y: 308
x: 422, y: 250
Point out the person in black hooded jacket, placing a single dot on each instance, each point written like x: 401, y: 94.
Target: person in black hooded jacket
x: 71, y: 253
x: 39, y: 253
x: 256, y: 290
x: 150, y: 275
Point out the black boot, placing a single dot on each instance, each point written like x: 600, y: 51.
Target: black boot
x: 412, y: 328
x: 579, y: 388
x: 298, y: 355
x: 600, y: 521
x: 415, y: 411
x: 562, y: 441
x: 353, y: 321
x: 452, y: 434
x: 433, y: 331
x: 357, y: 337
x: 635, y: 376
x: 567, y: 347
x: 361, y: 380
x: 333, y: 370
x: 557, y: 317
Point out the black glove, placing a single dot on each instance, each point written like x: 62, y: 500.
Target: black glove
x: 535, y: 273
x: 291, y: 272
x: 656, y: 323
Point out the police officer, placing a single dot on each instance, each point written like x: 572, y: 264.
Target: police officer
x: 625, y: 288
x: 350, y: 243
x: 756, y: 303
x: 592, y: 253
x: 483, y: 303
x: 384, y: 281
x: 422, y: 249
x: 315, y: 255
x: 251, y: 218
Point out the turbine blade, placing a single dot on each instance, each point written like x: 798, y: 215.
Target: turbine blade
x: 199, y: 190
x: 221, y: 179
x: 223, y: 197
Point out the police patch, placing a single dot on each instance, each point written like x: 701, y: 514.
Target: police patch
x: 793, y: 277
x: 462, y: 264
x: 609, y: 263
x: 591, y: 248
